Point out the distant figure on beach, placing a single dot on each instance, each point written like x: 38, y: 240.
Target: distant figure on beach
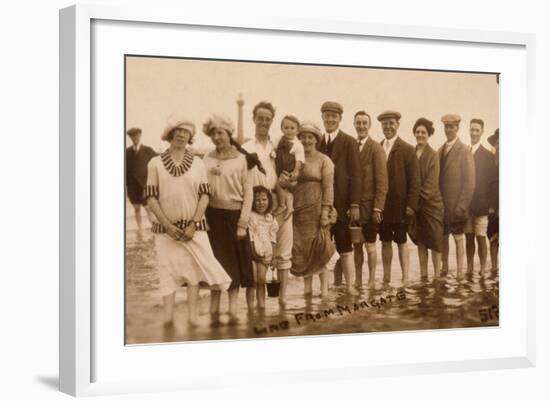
x: 427, y: 230
x: 342, y: 150
x: 456, y: 183
x: 374, y: 188
x: 482, y: 201
x: 493, y: 228
x: 262, y: 145
x: 137, y: 157
x: 402, y: 198
x: 177, y: 192
x: 262, y: 227
x: 314, y: 213
x: 228, y: 213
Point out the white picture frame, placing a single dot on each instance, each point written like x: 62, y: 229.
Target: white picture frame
x: 80, y: 372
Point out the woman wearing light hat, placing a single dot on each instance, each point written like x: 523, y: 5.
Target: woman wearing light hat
x: 229, y: 210
x: 314, y: 212
x: 177, y: 191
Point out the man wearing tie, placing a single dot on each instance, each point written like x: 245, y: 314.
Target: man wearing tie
x: 482, y: 201
x: 342, y: 149
x: 374, y: 187
x: 137, y: 158
x: 403, y: 195
x: 456, y: 182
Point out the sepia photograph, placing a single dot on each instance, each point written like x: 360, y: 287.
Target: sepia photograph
x: 268, y: 199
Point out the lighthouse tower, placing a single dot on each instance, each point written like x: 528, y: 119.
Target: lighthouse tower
x: 240, y: 135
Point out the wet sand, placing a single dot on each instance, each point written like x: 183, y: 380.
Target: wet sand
x: 421, y: 306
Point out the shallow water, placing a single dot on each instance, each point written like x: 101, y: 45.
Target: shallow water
x: 422, y: 305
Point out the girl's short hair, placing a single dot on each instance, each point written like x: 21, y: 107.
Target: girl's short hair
x: 259, y: 189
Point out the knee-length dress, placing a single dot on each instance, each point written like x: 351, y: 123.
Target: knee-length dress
x: 230, y: 204
x: 427, y: 228
x: 178, y: 187
x: 312, y: 246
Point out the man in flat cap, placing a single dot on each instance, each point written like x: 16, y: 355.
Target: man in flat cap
x: 137, y: 157
x: 456, y: 182
x: 343, y: 151
x: 374, y: 187
x: 403, y: 194
x: 482, y: 201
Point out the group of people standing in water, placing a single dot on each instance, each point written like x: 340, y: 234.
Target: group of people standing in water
x: 309, y: 203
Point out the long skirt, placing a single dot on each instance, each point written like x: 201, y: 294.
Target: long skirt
x: 188, y: 262
x: 233, y: 254
x: 313, y: 246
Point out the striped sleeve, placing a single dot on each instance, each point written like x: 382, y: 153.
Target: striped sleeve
x: 152, y: 188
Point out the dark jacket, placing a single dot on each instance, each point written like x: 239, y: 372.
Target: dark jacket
x: 347, y: 172
x: 404, y: 182
x: 136, y: 165
x: 456, y: 181
x: 374, y: 178
x: 485, y: 181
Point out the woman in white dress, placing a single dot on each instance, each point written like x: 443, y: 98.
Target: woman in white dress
x: 177, y: 192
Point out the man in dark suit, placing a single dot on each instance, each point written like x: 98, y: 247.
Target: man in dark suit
x: 456, y: 182
x: 482, y: 201
x: 137, y: 158
x: 403, y: 194
x: 374, y: 187
x: 342, y: 149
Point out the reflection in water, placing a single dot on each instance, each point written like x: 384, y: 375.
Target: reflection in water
x: 423, y: 305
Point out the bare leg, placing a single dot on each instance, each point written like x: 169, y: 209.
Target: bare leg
x: 168, y: 303
x: 359, y: 259
x: 215, y: 298
x: 282, y: 275
x: 372, y: 260
x: 404, y: 262
x: 423, y: 260
x: 281, y: 200
x: 482, y: 249
x: 260, y: 285
x: 470, y: 252
x: 459, y: 242
x: 137, y: 214
x: 323, y: 277
x: 192, y: 301
x: 348, y: 266
x: 436, y: 260
x: 387, y: 255
x: 308, y: 288
x: 338, y: 272
x: 250, y: 296
x: 445, y: 256
x: 494, y: 256
x: 233, y: 304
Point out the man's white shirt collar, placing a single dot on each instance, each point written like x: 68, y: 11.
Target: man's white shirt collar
x: 475, y: 147
x: 330, y: 136
x: 449, y: 145
x: 362, y: 142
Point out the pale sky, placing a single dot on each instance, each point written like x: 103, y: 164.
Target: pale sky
x: 158, y: 88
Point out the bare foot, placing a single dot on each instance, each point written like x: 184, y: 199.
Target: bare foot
x: 352, y: 291
x: 370, y: 285
x: 215, y: 320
